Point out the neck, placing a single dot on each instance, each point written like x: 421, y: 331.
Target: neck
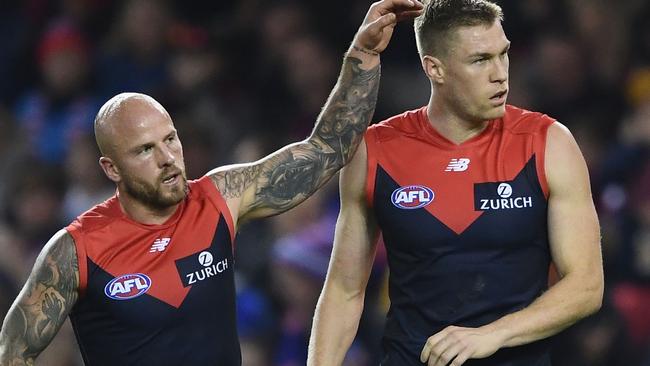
x: 142, y: 213
x: 450, y: 124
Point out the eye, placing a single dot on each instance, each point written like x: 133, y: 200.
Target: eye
x: 146, y: 149
x: 479, y: 60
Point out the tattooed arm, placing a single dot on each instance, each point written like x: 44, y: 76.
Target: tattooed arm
x: 287, y: 177
x: 43, y: 304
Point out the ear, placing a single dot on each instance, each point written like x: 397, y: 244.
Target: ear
x: 434, y: 69
x: 110, y: 169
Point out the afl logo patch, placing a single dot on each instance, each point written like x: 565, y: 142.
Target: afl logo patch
x: 127, y: 286
x: 411, y: 197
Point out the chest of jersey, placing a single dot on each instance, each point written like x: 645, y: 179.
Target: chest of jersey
x: 160, y: 295
x: 164, y: 267
x: 484, y: 197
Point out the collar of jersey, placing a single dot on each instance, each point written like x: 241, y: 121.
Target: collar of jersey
x: 117, y: 211
x: 432, y: 135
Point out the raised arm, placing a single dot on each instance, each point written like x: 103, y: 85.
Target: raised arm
x: 341, y: 302
x: 287, y: 177
x: 574, y: 238
x: 43, y: 304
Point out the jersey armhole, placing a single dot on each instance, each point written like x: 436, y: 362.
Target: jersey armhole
x: 540, y: 155
x: 371, y: 166
x: 82, y: 258
x: 213, y: 194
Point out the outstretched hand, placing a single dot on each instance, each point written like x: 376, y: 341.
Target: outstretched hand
x: 377, y: 27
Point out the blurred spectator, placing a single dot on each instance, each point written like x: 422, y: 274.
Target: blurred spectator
x: 34, y: 209
x: 59, y: 110
x: 600, y: 340
x: 134, y: 59
x: 87, y: 185
x: 13, y: 40
x: 299, y: 264
x: 204, y: 103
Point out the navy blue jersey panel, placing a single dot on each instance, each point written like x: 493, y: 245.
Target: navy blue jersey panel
x: 496, y: 266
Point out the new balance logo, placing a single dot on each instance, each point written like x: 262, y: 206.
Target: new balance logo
x: 159, y: 245
x: 458, y: 165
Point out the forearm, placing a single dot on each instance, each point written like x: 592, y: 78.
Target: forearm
x: 335, y: 325
x: 569, y: 300
x: 349, y: 108
x: 287, y: 177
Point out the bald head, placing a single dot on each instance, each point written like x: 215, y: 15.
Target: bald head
x: 120, y: 115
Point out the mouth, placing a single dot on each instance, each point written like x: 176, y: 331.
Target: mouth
x: 499, y: 97
x: 172, y: 178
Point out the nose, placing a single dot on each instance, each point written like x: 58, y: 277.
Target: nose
x: 500, y: 71
x: 165, y: 156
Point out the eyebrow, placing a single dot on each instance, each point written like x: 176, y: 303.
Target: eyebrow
x: 139, y: 148
x: 482, y: 55
x: 151, y: 144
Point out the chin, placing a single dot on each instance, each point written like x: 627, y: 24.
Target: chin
x: 496, y: 112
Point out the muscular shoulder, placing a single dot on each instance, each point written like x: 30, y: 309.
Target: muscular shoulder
x: 57, y: 265
x: 566, y: 169
x: 61, y: 246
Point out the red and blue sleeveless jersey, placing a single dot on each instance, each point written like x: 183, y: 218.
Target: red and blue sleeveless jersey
x: 157, y: 294
x: 465, y: 228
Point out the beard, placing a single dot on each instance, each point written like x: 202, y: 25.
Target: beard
x: 152, y: 195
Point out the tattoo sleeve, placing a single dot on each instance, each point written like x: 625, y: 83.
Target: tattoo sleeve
x: 287, y: 177
x: 43, y: 304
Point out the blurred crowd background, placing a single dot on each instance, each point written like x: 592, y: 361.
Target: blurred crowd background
x: 242, y: 78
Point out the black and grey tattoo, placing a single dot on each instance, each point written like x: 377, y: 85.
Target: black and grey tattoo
x: 290, y: 175
x: 43, y: 304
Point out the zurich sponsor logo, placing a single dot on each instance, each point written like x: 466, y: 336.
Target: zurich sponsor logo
x: 206, y: 259
x: 127, y: 286
x: 504, y: 190
x: 411, y: 197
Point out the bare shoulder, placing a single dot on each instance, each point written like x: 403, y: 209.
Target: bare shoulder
x: 61, y: 243
x: 234, y: 182
x: 566, y: 169
x: 57, y: 267
x: 559, y: 136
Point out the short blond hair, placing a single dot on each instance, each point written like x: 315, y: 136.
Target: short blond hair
x: 441, y: 17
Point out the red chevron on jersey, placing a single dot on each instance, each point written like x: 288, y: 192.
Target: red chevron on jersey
x: 121, y: 246
x: 497, y: 154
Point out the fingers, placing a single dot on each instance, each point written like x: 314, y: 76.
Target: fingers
x: 377, y: 28
x: 461, y: 358
x: 440, y: 353
x: 398, y: 5
x: 407, y: 15
x: 449, y: 352
x: 382, y: 22
x: 430, y: 344
x: 445, y: 347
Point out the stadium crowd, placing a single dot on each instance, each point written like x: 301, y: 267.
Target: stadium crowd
x: 243, y: 78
